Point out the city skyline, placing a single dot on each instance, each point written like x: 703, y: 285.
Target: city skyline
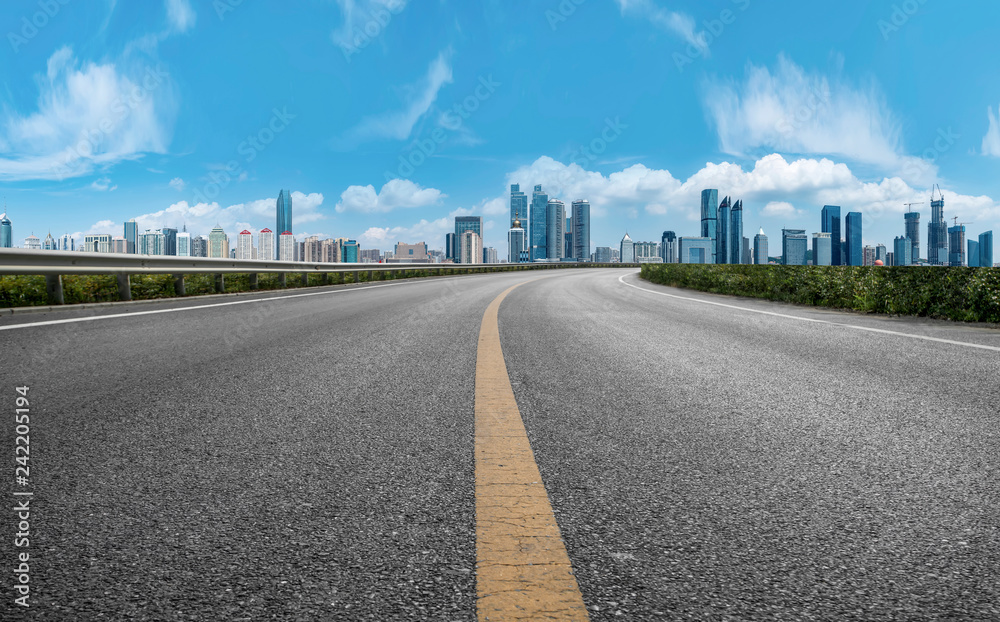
x: 438, y: 126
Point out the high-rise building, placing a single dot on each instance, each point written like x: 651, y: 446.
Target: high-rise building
x: 470, y: 247
x: 902, y: 251
x: 868, y: 256
x: 97, y: 243
x: 169, y: 240
x: 244, y: 245
x: 695, y: 250
x: 890, y: 258
x: 722, y: 240
x: 956, y: 242
x: 490, y: 255
x: 518, y: 205
x: 709, y: 214
x: 351, y: 251
x: 646, y: 251
x: 68, y: 243
x: 283, y: 212
x: 286, y: 246
x: 463, y: 224
x: 131, y: 236
x: 265, y: 244
x: 937, y: 234
x: 451, y: 246
x: 627, y: 250
x: 602, y: 254
x: 151, y: 242
x: 49, y: 243
x: 760, y: 248
x: 735, y: 246
x: 973, y: 254
x: 6, y: 232
x: 831, y: 224
x: 794, y: 246
x: 568, y: 236
x: 312, y: 250
x: 371, y: 255
x: 747, y: 258
x: 218, y: 243
x: 555, y: 229
x: 119, y: 244
x: 668, y: 247
x: 539, y: 214
x: 881, y: 253
x: 183, y: 244
x: 581, y: 229
x: 329, y: 251
x: 410, y: 252
x: 822, y: 254
x: 199, y: 246
x: 855, y: 255
x: 34, y: 243
x: 517, y: 250
x: 912, y: 233
x: 986, y: 249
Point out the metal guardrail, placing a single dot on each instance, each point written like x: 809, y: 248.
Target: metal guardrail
x: 54, y: 264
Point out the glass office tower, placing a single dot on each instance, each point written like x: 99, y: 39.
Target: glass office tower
x: 855, y: 252
x: 581, y: 230
x: 709, y: 214
x: 831, y: 224
x: 536, y: 225
x: 283, y: 221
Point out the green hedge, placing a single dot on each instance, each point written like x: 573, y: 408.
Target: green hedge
x: 963, y: 294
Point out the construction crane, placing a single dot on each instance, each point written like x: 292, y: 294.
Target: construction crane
x: 909, y: 206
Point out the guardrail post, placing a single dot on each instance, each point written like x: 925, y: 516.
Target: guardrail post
x: 326, y: 278
x: 254, y: 282
x: 371, y: 275
x: 220, y: 284
x: 179, y: 288
x: 53, y: 287
x: 124, y: 287
x: 305, y: 279
x: 282, y: 280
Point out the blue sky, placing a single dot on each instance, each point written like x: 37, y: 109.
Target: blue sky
x: 386, y: 118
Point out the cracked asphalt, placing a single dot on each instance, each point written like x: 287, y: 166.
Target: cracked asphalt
x: 312, y: 458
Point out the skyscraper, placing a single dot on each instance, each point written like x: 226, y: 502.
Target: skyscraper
x: 33, y: 243
x: 722, y: 232
x: 912, y: 222
x: 555, y: 224
x: 131, y: 236
x: 974, y: 253
x: 218, y: 243
x: 539, y: 208
x: 6, y: 232
x: 286, y: 246
x: 822, y: 254
x: 516, y: 247
x: 627, y: 251
x: 937, y: 233
x: 151, y: 242
x: 350, y: 251
x: 183, y: 244
x: 470, y: 247
x: 956, y: 242
x: 283, y: 220
x: 199, y: 246
x: 581, y: 229
x: 169, y: 240
x: 244, y: 245
x: 568, y: 236
x: 881, y: 254
x: 668, y: 247
x: 902, y: 251
x: 463, y: 224
x: 451, y: 247
x: 695, y: 250
x: 709, y: 213
x: 518, y: 205
x: 986, y: 249
x: 68, y: 243
x: 265, y: 244
x: 794, y: 246
x: 735, y: 246
x: 49, y: 244
x: 831, y: 224
x: 855, y: 256
x: 760, y: 248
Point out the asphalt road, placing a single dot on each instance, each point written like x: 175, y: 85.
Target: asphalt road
x: 312, y: 457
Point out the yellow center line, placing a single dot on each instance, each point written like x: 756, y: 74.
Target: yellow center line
x: 522, y: 569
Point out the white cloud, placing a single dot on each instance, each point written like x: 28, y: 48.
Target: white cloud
x: 991, y: 142
x: 781, y: 209
x: 794, y: 111
x: 677, y: 23
x: 361, y: 18
x: 88, y: 116
x: 103, y: 185
x: 430, y: 231
x: 398, y: 125
x: 180, y: 14
x: 177, y: 183
x: 397, y: 193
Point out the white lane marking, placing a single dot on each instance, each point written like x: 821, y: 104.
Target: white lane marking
x: 210, y: 306
x: 807, y: 319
